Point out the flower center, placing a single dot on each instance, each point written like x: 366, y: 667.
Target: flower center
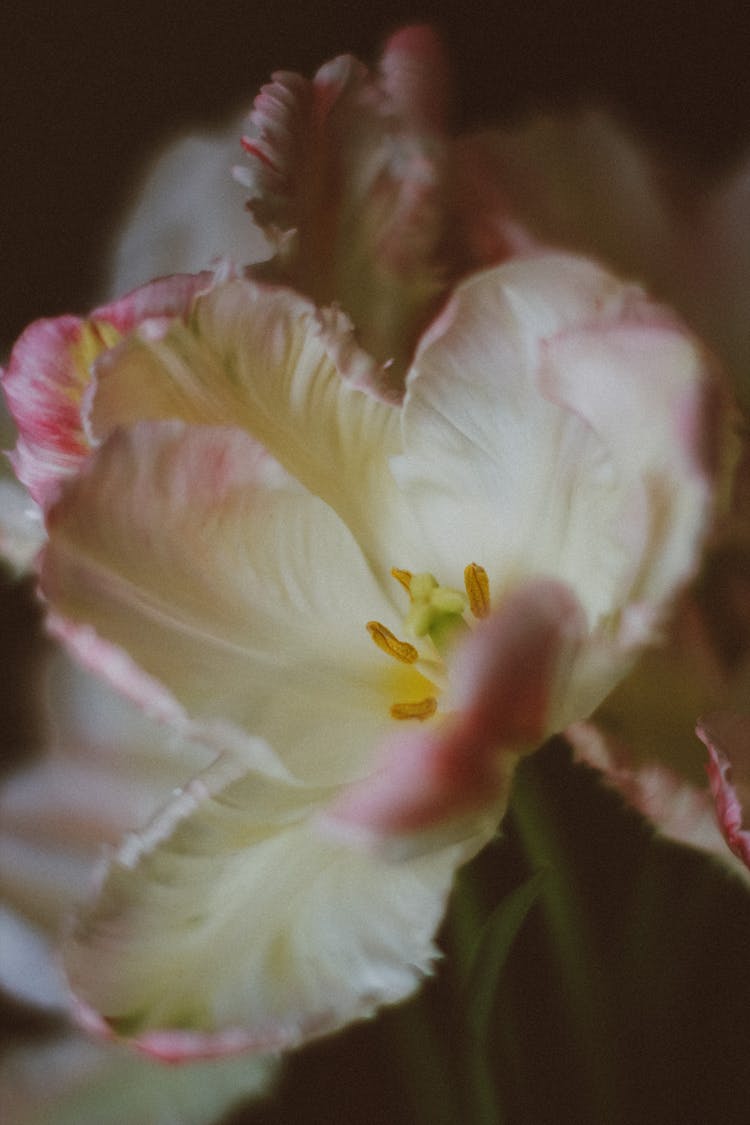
x: 437, y: 612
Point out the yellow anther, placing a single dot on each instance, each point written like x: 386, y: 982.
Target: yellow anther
x: 421, y: 710
x: 386, y: 641
x: 402, y: 576
x: 478, y: 588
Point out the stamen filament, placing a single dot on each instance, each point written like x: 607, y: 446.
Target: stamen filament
x: 421, y: 710
x: 478, y: 589
x: 390, y: 644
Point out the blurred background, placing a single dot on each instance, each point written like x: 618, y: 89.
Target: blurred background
x: 90, y: 93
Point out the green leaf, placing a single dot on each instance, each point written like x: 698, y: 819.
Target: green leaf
x: 491, y: 951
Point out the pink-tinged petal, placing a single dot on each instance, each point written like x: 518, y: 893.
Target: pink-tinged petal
x: 507, y: 681
x: 415, y: 77
x: 69, y: 1081
x: 534, y: 488
x: 49, y: 374
x: 157, y: 302
x: 727, y: 739
x: 678, y: 807
x: 44, y: 383
x: 112, y: 663
x: 607, y: 375
x: 265, y: 359
x: 347, y: 172
x: 189, y: 947
x: 261, y: 622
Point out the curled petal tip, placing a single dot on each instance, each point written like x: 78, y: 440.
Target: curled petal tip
x: 727, y: 739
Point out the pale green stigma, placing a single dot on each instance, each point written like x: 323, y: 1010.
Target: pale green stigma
x: 435, y: 611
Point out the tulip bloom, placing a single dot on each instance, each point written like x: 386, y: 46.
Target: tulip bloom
x: 367, y: 609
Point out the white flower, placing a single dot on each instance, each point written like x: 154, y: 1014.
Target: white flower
x: 370, y: 609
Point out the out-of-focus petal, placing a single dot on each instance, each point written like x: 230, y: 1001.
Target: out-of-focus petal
x: 68, y: 1081
x: 727, y: 739
x: 347, y: 173
x: 679, y: 808
x: 108, y: 771
x: 187, y: 214
x: 21, y: 526
x: 718, y: 283
x: 248, y: 604
x: 578, y: 182
x: 190, y: 946
x: 28, y: 968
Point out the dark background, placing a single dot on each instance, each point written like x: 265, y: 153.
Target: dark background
x: 89, y: 92
x: 91, y: 89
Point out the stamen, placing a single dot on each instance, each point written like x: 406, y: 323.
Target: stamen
x: 390, y: 644
x: 478, y: 589
x: 421, y: 710
x: 402, y: 576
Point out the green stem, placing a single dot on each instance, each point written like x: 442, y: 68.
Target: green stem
x: 467, y: 918
x: 422, y: 1056
x: 565, y: 909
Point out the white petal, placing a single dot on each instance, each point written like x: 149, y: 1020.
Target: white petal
x: 540, y: 487
x: 21, y: 527
x: 187, y: 213
x: 109, y: 771
x: 234, y: 919
x: 248, y: 604
x: 28, y: 970
x: 267, y: 360
x: 71, y: 1082
x: 484, y: 450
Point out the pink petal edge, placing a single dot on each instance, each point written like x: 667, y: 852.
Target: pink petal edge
x: 718, y: 733
x: 49, y: 395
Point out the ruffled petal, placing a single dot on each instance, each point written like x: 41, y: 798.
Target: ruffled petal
x: 268, y: 360
x: 506, y: 687
x: 233, y: 924
x: 109, y: 771
x: 247, y: 603
x: 347, y: 174
x: 50, y: 370
x: 68, y: 1081
x: 727, y: 739
x: 678, y: 807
